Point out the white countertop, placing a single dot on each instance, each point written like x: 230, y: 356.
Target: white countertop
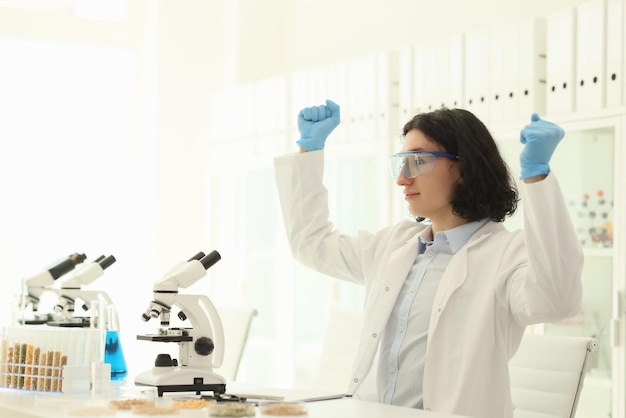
x: 26, y: 404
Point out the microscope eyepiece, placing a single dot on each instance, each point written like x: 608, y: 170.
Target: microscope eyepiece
x: 77, y: 258
x: 106, y: 262
x: 66, y: 265
x: 210, y: 259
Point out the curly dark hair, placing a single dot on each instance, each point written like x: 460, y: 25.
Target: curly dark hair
x: 486, y: 188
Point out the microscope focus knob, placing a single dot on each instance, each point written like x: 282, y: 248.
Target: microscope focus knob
x: 204, y: 346
x: 163, y: 360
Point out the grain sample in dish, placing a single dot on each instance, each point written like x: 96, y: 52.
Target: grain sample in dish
x: 192, y: 404
x: 284, y: 409
x: 130, y: 403
x: 232, y: 409
x: 154, y: 410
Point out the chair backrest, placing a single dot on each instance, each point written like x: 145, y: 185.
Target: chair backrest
x: 547, y: 375
x: 236, y: 322
x: 340, y: 344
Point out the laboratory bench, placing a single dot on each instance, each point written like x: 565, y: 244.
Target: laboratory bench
x: 27, y: 404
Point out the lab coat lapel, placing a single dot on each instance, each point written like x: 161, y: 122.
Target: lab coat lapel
x: 400, y: 263
x: 384, y: 294
x: 455, y: 275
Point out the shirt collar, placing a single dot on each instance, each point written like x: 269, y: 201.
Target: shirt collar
x: 457, y: 237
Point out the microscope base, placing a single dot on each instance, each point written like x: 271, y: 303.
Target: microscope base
x: 182, y: 379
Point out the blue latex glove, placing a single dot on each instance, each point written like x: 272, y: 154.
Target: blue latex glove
x: 540, y: 139
x: 316, y: 123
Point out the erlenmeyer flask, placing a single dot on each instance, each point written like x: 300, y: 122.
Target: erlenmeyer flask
x: 113, y: 352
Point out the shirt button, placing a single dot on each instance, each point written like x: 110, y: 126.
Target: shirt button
x: 393, y: 370
x: 374, y: 335
x: 387, y: 289
x: 429, y: 253
x: 401, y: 329
x: 356, y: 380
x: 413, y: 289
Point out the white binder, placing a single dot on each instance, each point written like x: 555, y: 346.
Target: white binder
x: 298, y: 94
x: 405, y: 85
x: 386, y: 99
x: 500, y: 43
x: 477, y: 73
x: 561, y: 61
x: 271, y: 113
x: 456, y: 72
x: 303, y: 87
x: 615, y: 86
x: 361, y: 98
x: 530, y: 87
x: 419, y: 96
x: 428, y: 76
x: 441, y: 74
x: 590, y: 55
x: 337, y: 91
x: 438, y: 73
x: 353, y: 113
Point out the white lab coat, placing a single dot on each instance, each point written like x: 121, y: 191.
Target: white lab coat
x: 494, y: 286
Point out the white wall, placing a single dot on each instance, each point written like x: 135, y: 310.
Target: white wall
x: 317, y: 32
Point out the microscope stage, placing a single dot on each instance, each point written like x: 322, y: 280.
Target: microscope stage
x: 165, y: 338
x: 76, y: 322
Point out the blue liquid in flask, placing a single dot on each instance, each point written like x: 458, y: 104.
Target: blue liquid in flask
x: 114, y: 356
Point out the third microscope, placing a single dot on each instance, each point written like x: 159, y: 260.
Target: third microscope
x: 201, y: 346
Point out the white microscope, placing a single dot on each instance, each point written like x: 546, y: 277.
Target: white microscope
x: 201, y: 347
x: 71, y: 290
x: 34, y: 287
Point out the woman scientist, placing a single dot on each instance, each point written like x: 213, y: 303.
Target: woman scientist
x: 446, y: 303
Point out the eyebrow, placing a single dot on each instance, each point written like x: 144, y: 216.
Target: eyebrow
x: 420, y: 150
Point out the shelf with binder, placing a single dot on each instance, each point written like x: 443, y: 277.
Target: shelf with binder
x: 588, y: 166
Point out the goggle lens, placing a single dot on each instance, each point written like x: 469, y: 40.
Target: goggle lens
x: 414, y: 164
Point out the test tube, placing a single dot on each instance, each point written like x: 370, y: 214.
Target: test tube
x: 4, y: 351
x: 97, y: 335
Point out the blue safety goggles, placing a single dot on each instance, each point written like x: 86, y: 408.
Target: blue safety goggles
x: 416, y: 163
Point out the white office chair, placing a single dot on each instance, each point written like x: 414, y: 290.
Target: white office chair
x: 547, y: 375
x: 236, y: 322
x: 340, y: 344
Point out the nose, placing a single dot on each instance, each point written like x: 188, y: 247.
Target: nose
x: 402, y: 181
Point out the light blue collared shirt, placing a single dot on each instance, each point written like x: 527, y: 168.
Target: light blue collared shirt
x: 403, y: 346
